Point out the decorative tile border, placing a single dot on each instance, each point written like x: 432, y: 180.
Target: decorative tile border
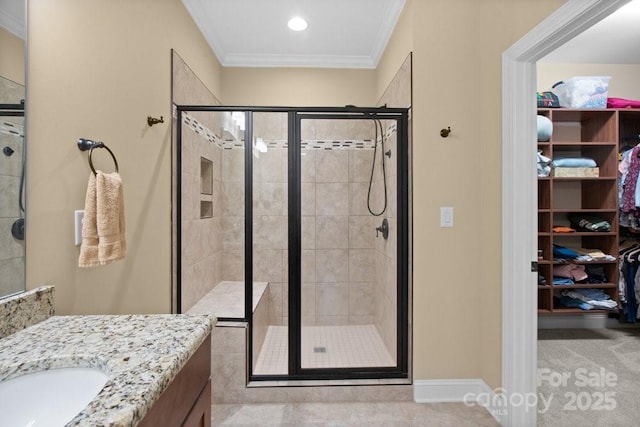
x: 9, y: 128
x: 197, y: 127
x: 307, y: 144
x: 22, y: 310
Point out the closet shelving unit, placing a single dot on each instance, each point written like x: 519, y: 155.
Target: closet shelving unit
x: 579, y: 133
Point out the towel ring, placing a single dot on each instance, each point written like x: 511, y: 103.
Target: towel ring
x: 101, y: 145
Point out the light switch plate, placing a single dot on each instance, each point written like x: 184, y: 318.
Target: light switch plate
x: 446, y: 217
x: 78, y: 216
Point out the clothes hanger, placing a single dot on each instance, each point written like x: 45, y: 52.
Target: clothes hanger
x: 632, y: 256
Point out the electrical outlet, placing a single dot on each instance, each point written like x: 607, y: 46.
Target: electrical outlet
x: 78, y: 216
x: 446, y: 217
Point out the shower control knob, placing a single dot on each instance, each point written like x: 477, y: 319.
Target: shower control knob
x: 384, y: 229
x: 17, y: 229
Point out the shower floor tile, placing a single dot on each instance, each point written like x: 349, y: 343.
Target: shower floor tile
x: 325, y: 347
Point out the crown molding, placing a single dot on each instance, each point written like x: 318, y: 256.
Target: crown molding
x: 394, y: 9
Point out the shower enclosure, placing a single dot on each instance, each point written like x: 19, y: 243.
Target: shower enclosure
x: 12, y: 161
x: 296, y: 221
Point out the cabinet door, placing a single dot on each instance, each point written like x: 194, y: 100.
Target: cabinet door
x: 188, y: 387
x: 200, y: 415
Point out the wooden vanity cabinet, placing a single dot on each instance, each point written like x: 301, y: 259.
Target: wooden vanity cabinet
x: 187, y: 400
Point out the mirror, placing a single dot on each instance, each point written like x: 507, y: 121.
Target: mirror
x: 12, y: 146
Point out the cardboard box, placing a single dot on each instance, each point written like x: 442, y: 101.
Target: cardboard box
x: 576, y: 172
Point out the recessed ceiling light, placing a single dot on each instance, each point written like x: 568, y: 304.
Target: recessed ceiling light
x: 297, y: 24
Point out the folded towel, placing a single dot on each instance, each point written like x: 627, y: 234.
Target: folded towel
x: 89, y: 246
x: 103, y: 228
x: 574, y: 162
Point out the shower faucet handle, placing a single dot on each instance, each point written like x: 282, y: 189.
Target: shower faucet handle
x: 384, y: 229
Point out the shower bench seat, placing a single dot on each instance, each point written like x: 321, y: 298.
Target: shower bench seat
x: 226, y: 300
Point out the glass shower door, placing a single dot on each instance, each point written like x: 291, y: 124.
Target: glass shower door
x: 348, y: 280
x: 270, y: 332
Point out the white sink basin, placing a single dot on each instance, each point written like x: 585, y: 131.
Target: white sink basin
x: 48, y: 398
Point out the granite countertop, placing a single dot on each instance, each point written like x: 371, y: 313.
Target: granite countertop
x: 141, y: 354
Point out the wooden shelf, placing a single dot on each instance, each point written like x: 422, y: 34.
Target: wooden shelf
x: 592, y: 133
x: 585, y: 286
x: 587, y: 233
x: 564, y: 311
x: 603, y: 261
x: 584, y: 143
x: 584, y: 178
x: 589, y: 211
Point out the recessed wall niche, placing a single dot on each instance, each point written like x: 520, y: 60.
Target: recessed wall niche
x: 206, y: 209
x: 206, y: 188
x: 206, y: 176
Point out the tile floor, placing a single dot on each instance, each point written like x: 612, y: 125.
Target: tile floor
x: 325, y: 347
x: 352, y: 414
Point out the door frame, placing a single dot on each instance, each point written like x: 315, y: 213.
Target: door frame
x: 519, y: 197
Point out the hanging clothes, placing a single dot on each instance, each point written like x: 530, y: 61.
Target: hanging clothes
x: 629, y: 261
x: 629, y: 190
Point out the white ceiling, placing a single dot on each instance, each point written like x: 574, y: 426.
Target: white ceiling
x: 614, y: 40
x: 254, y: 33
x: 12, y: 17
x: 347, y: 33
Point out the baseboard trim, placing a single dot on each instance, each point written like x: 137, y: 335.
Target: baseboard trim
x: 473, y: 391
x: 575, y: 321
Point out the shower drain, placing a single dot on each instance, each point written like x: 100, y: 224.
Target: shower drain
x: 319, y: 349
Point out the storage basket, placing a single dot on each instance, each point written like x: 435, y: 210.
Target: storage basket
x: 576, y: 172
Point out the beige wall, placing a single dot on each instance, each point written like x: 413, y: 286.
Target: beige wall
x: 624, y: 81
x: 97, y: 70
x: 11, y: 57
x: 298, y: 86
x: 457, y: 47
x: 106, y: 81
x: 398, y: 48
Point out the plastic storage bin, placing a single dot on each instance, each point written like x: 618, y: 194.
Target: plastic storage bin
x: 583, y: 92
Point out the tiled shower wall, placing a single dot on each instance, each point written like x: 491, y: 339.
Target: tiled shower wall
x: 338, y: 233
x: 201, y: 228
x: 398, y: 94
x: 11, y: 135
x: 348, y: 274
x: 201, y: 237
x: 386, y: 255
x: 269, y: 212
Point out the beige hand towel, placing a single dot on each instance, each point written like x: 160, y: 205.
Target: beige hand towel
x: 104, y: 221
x: 89, y: 246
x: 110, y: 217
